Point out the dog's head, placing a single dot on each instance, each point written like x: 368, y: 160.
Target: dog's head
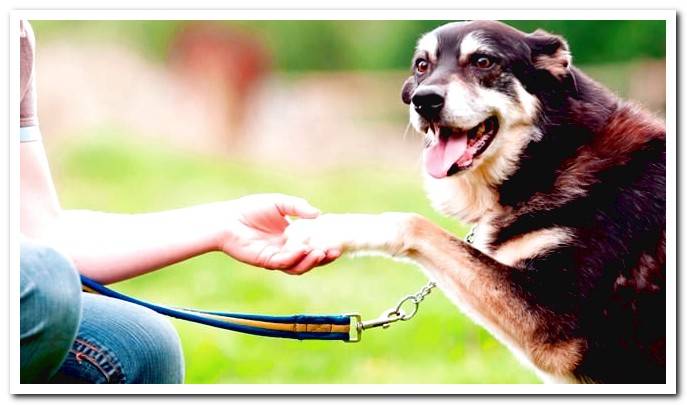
x: 474, y: 94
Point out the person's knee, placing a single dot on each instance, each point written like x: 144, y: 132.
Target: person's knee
x: 168, y: 353
x: 52, y: 282
x: 50, y: 309
x: 160, y: 358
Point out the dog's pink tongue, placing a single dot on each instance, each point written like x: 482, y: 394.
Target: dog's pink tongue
x: 442, y: 155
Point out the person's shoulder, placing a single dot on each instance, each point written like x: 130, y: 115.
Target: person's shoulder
x: 27, y: 42
x: 27, y: 56
x: 25, y: 30
x: 26, y: 34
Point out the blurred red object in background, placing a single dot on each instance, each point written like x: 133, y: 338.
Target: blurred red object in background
x: 225, y: 62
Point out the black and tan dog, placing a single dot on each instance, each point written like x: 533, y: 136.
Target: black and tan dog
x: 566, y: 185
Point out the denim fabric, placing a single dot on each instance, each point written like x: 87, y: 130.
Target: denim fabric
x: 120, y: 342
x: 50, y: 302
x: 72, y: 337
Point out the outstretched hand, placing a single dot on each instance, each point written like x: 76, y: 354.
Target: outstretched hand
x: 256, y: 234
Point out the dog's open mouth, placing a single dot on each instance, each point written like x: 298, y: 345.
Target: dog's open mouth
x: 455, y: 149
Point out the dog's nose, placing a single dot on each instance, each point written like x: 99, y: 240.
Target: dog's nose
x: 428, y: 102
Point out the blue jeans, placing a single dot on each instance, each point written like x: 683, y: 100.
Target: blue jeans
x: 68, y: 336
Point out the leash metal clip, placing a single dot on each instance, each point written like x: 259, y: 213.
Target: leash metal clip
x: 393, y: 314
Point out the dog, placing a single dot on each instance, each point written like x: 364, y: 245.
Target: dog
x: 565, y: 184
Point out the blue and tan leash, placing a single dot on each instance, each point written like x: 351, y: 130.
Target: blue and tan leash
x: 346, y: 327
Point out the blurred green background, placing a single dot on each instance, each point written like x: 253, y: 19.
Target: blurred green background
x: 362, y: 45
x: 103, y: 158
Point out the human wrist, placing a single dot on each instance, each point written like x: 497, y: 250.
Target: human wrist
x: 220, y: 219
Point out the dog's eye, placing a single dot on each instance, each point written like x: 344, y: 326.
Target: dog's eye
x: 421, y: 66
x: 483, y: 62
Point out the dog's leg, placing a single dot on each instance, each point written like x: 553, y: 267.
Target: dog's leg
x: 478, y: 284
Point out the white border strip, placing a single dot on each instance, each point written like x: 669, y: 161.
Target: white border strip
x: 344, y: 14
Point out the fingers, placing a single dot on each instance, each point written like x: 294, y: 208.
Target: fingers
x: 332, y: 254
x: 280, y: 260
x: 311, y: 260
x: 295, y: 206
x: 314, y: 259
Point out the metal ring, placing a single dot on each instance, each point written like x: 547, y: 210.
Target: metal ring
x: 401, y: 313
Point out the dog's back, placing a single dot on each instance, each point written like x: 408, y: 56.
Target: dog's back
x: 621, y: 230
x: 610, y: 196
x: 599, y: 173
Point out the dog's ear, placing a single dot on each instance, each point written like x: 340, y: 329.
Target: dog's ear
x: 408, y: 89
x: 550, y: 52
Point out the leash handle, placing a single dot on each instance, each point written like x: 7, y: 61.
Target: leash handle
x: 300, y: 327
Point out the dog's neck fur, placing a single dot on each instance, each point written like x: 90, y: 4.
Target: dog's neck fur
x: 591, y: 132
x: 490, y: 193
x: 568, y: 119
x: 497, y: 191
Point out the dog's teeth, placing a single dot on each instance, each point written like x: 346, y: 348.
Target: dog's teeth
x: 481, y: 128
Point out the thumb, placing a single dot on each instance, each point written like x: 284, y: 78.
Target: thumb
x: 295, y: 206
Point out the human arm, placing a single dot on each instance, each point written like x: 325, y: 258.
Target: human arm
x: 110, y: 247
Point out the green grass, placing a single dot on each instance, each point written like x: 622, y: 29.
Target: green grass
x: 110, y: 172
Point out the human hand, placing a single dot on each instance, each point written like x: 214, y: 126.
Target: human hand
x: 255, y: 234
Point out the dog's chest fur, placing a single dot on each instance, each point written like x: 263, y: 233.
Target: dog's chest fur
x: 520, y: 247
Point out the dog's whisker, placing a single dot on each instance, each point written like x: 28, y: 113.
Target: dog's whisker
x: 405, y: 133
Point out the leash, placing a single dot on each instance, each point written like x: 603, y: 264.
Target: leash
x: 345, y: 327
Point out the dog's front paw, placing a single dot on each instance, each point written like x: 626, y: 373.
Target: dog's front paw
x: 325, y: 232
x: 351, y: 232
